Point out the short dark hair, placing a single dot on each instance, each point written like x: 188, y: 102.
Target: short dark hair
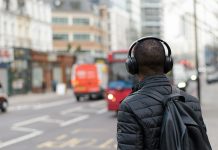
x: 150, y: 56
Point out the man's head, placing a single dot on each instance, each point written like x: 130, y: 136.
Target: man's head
x: 149, y: 57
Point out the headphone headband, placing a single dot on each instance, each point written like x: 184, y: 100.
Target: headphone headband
x: 149, y: 38
x: 131, y: 62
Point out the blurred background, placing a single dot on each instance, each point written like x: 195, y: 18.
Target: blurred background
x: 62, y: 72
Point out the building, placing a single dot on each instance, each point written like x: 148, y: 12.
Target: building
x: 133, y: 8
x: 80, y: 26
x: 179, y: 27
x: 151, y: 18
x: 24, y: 27
x: 7, y: 39
x: 124, y: 22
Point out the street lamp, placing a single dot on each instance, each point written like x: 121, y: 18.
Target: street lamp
x: 196, y: 50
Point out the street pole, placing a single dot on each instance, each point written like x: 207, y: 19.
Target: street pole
x: 196, y: 50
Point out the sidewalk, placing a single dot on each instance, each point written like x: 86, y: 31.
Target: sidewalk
x: 39, y: 97
x: 210, y: 111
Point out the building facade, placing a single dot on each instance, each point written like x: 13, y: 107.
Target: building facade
x: 151, y: 17
x: 79, y: 26
x: 124, y: 22
x: 179, y: 26
x: 24, y: 27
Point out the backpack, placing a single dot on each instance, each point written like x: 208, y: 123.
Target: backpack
x: 181, y: 128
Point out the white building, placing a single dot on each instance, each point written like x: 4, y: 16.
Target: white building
x: 124, y: 23
x: 179, y: 27
x: 151, y: 17
x: 7, y: 23
x: 133, y: 8
x: 39, y: 25
x: 25, y: 24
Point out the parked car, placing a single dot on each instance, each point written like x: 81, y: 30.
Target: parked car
x: 3, y: 100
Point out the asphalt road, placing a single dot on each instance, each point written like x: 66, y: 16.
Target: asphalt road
x: 58, y: 124
x: 62, y: 123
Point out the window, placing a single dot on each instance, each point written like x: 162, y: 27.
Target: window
x: 37, y: 77
x: 152, y: 31
x: 81, y: 21
x: 98, y: 39
x: 76, y: 5
x: 60, y: 36
x: 58, y: 20
x: 81, y: 37
x: 153, y: 1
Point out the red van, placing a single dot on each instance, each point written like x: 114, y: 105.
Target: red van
x: 87, y: 80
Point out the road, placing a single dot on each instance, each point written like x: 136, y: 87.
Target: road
x: 57, y: 123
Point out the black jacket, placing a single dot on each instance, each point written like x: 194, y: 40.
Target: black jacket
x: 140, y: 116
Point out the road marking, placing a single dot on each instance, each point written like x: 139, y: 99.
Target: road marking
x: 65, y: 112
x: 20, y: 139
x: 75, y: 120
x: 91, y: 143
x: 71, y: 143
x: 49, y: 120
x: 48, y: 144
x: 102, y: 111
x: 76, y: 131
x: 79, y: 130
x: 61, y: 137
x: 53, y: 104
x: 106, y: 144
x: 30, y: 121
x: 19, y: 107
x: 18, y: 127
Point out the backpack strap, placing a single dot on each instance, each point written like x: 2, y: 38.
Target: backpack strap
x: 175, y: 95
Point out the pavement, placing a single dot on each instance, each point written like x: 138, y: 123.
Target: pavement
x: 209, y: 106
x: 39, y: 97
x: 210, y: 111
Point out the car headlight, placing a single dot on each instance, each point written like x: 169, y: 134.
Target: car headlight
x: 110, y: 96
x: 193, y: 77
x: 181, y: 85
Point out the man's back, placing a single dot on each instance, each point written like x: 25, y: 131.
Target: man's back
x: 140, y: 116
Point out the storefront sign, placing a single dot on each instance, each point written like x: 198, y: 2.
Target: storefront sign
x: 6, y: 55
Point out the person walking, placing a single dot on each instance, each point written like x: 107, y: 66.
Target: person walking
x: 140, y: 116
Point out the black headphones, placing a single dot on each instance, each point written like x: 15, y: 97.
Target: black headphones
x: 131, y: 63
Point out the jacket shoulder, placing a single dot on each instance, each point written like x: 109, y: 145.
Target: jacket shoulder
x: 142, y: 106
x: 192, y: 101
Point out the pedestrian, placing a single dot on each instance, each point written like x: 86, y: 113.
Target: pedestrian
x: 140, y: 116
x: 43, y: 86
x: 54, y: 84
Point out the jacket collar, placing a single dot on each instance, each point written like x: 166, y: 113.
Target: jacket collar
x: 152, y: 81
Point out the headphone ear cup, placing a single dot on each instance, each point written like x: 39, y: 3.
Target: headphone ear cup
x: 168, y: 65
x: 131, y: 65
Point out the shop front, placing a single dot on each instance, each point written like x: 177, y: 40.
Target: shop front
x: 6, y: 57
x: 66, y: 62
x: 50, y: 69
x: 20, y: 72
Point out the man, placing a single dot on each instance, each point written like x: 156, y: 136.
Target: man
x: 140, y: 116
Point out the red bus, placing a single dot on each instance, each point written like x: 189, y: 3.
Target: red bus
x: 120, y: 81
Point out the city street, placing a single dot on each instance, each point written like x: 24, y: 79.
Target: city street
x: 58, y: 124
x: 47, y: 121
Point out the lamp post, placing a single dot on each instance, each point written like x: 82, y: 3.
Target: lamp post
x: 196, y: 50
